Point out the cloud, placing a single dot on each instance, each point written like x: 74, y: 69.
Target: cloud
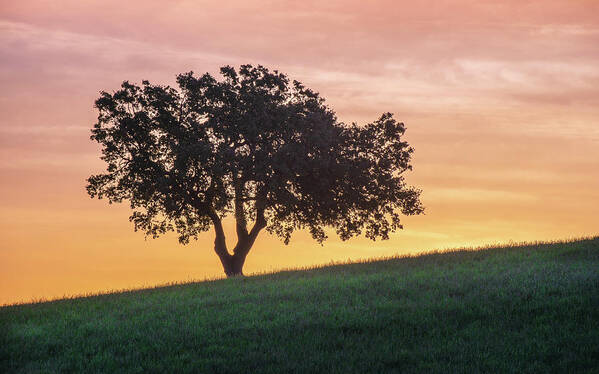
x: 51, y: 52
x: 566, y: 30
x: 456, y: 195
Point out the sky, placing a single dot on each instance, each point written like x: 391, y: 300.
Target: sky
x: 500, y: 99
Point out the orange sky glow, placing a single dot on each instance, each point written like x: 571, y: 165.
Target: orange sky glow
x: 500, y: 100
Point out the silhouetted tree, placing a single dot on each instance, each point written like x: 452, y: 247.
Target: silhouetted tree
x: 255, y: 145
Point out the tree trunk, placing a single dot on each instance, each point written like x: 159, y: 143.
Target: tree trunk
x: 233, y: 264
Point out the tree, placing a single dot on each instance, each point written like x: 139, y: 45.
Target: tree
x: 254, y: 145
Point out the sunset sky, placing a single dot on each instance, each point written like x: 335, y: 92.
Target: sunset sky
x: 500, y: 99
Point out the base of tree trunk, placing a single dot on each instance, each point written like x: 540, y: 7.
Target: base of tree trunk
x: 235, y: 275
x: 233, y: 265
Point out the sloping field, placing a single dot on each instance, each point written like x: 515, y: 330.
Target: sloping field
x: 529, y: 308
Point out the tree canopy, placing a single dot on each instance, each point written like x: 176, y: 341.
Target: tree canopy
x: 254, y: 145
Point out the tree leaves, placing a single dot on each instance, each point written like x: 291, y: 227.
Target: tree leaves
x: 183, y: 157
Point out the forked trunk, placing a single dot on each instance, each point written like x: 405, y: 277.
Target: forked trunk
x: 233, y: 264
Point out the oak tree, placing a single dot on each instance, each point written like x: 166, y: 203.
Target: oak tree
x: 255, y: 145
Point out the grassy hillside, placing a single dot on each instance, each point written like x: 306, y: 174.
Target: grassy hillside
x: 531, y: 308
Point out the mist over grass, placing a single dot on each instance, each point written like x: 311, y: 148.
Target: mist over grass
x: 520, y: 308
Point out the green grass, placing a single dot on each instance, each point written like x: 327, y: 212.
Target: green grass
x: 527, y: 308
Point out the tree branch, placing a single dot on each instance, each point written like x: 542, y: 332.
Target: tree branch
x: 260, y: 219
x: 241, y: 222
x: 220, y: 245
